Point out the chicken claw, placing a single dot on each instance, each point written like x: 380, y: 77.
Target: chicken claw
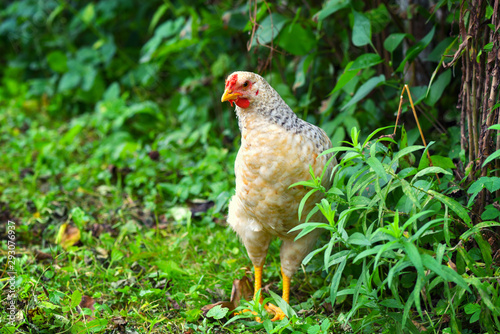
x: 278, y: 313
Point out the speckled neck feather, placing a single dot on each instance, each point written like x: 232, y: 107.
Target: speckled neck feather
x: 272, y: 108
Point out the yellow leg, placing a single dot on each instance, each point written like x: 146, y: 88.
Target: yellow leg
x: 278, y: 313
x: 258, y: 280
x: 286, y: 287
x: 257, y: 287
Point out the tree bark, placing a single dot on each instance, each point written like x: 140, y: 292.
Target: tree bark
x: 479, y: 94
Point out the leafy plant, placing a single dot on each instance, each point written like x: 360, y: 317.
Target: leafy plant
x: 395, y: 236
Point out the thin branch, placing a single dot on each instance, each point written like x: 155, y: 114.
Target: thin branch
x: 399, y: 110
x: 419, y: 128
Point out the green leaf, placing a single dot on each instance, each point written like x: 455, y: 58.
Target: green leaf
x: 371, y: 135
x: 429, y: 170
x: 471, y: 263
x: 48, y: 305
x: 366, y: 60
x: 489, y: 12
x: 418, y: 94
x: 58, y: 10
x: 485, y: 292
x: 485, y: 248
x: 414, y: 256
x: 157, y: 16
x: 410, y: 193
x: 474, y: 309
x: 314, y: 329
x: 88, y: 13
x: 338, y: 149
x: 491, y: 183
x: 453, y: 205
x: 377, y: 167
x: 116, y: 255
x: 171, y: 268
x: 417, y: 216
x: 330, y: 260
x: 408, y: 305
x: 424, y: 160
x: 424, y: 228
x: 344, y: 78
x: 392, y: 303
x: 364, y: 90
x: 335, y: 191
x: 398, y: 267
x: 438, y: 88
x: 88, y: 78
x: 416, y: 292
x: 415, y: 50
x: 393, y: 40
x: 165, y: 31
x: 112, y: 92
x: 297, y: 40
x: 304, y: 200
x: 331, y: 7
x: 405, y: 151
x: 361, y: 30
x: 302, y: 70
x: 334, y: 285
x: 217, y: 312
x: 96, y: 325
x: 69, y: 81
x: 306, y: 228
x: 283, y: 305
x: 312, y: 254
x: 448, y: 274
x: 303, y: 183
x: 493, y: 156
x: 437, y: 161
x: 76, y: 298
x: 475, y: 317
x: 380, y: 249
x: 439, y: 54
x: 359, y: 239
x: 477, y: 228
x: 325, y: 325
x: 78, y: 216
x: 269, y: 28
x: 409, y: 326
x: 57, y: 61
x: 71, y: 134
x: 490, y: 213
x: 268, y: 325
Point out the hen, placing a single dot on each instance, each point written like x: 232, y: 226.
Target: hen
x: 277, y: 150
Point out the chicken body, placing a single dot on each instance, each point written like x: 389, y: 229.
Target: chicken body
x: 277, y: 150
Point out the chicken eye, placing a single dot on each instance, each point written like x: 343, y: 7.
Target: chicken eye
x: 245, y: 84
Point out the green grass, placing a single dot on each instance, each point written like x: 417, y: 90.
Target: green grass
x: 148, y: 244
x: 122, y: 228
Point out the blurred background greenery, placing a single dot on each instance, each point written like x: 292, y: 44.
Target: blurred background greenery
x: 112, y: 82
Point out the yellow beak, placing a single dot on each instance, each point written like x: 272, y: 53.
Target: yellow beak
x: 229, y: 95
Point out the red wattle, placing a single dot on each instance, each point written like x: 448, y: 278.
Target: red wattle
x: 242, y: 103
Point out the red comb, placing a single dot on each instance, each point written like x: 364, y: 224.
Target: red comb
x: 232, y: 80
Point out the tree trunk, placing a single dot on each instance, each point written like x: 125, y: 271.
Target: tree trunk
x: 479, y: 95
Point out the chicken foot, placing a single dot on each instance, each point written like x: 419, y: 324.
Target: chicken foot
x: 278, y: 312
